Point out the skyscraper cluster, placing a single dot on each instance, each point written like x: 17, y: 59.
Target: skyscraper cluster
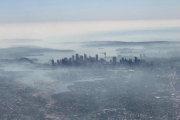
x: 78, y: 60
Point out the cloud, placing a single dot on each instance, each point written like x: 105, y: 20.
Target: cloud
x: 20, y: 40
x: 81, y: 31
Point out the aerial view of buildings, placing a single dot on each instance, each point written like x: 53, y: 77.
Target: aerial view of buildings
x: 89, y: 60
x: 139, y: 88
x: 79, y: 60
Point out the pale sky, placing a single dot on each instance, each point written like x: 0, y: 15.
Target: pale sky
x: 55, y: 21
x: 13, y: 11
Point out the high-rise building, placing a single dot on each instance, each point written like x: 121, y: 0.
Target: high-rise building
x: 77, y: 57
x: 72, y: 57
x: 130, y: 61
x: 70, y: 60
x: 135, y: 59
x: 114, y: 60
x: 105, y: 56
x: 58, y: 62
x: 123, y: 59
x: 65, y: 61
x: 96, y: 57
x: 85, y: 57
x: 53, y: 62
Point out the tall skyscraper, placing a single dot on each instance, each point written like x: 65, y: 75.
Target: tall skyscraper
x: 123, y: 59
x: 130, y: 61
x: 58, y: 62
x: 135, y: 59
x: 96, y: 57
x: 105, y: 56
x: 53, y: 62
x: 85, y: 57
x: 72, y: 58
x: 77, y: 57
x: 70, y: 61
x: 114, y: 60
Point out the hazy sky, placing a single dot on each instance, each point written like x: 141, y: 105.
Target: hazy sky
x: 53, y: 21
x: 86, y: 10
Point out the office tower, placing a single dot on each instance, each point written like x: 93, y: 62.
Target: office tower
x: 130, y: 61
x: 85, y: 57
x: 101, y: 60
x: 58, y: 62
x: 72, y: 57
x: 77, y: 57
x: 70, y: 60
x: 63, y: 61
x: 96, y: 57
x: 53, y: 62
x: 114, y: 60
x: 122, y: 59
x: 135, y: 59
x: 105, y: 56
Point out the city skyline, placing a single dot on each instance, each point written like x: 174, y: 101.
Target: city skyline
x: 84, y: 60
x: 89, y: 59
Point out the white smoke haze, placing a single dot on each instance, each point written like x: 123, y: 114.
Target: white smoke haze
x: 135, y: 75
x: 92, y: 90
x: 81, y: 31
x: 89, y: 60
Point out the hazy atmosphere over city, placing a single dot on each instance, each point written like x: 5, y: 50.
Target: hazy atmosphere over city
x: 89, y: 59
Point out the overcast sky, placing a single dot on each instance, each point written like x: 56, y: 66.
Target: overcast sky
x: 18, y: 11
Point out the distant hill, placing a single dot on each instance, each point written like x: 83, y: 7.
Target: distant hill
x: 121, y: 43
x: 32, y: 49
x: 24, y: 51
